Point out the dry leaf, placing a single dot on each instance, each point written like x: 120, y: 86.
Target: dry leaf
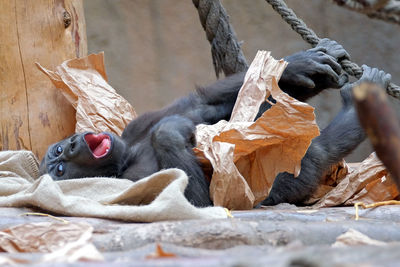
x: 246, y: 155
x: 83, y: 82
x: 160, y: 253
x: 354, y: 238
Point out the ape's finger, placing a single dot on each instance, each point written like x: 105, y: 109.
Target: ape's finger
x: 387, y: 79
x: 334, y: 49
x: 331, y: 61
x: 304, y: 81
x: 317, y: 49
x: 338, y: 52
x: 366, y: 71
x: 331, y: 76
x: 374, y: 73
x: 343, y: 79
x: 381, y: 75
x: 384, y: 79
x: 325, y: 42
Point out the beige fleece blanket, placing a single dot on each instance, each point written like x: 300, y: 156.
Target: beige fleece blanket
x: 155, y: 198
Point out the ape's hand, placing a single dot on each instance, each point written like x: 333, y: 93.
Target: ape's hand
x: 374, y: 75
x: 332, y: 48
x: 371, y: 75
x: 309, y: 72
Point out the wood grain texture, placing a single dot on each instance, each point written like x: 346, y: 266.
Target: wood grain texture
x: 33, y: 113
x: 381, y: 124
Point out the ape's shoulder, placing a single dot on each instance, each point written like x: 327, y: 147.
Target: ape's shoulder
x: 137, y: 130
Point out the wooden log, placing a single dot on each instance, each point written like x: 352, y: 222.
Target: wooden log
x: 33, y: 113
x: 253, y: 228
x: 270, y: 237
x: 292, y: 255
x: 223, y: 234
x: 381, y: 124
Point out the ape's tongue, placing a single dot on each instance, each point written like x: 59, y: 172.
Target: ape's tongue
x: 99, y: 144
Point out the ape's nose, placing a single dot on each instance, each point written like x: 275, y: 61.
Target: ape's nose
x: 72, y: 147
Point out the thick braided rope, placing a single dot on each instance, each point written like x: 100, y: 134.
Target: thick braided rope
x: 309, y: 36
x: 384, y: 16
x: 366, y: 6
x: 388, y: 10
x: 225, y: 50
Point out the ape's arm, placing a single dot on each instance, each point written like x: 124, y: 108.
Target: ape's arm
x: 173, y: 140
x: 307, y: 74
x: 336, y: 141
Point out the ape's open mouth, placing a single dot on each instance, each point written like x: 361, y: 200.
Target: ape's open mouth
x: 99, y: 144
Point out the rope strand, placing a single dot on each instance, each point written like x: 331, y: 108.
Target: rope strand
x: 310, y: 37
x: 225, y: 49
x: 388, y: 10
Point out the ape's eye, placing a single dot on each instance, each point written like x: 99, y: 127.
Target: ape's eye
x: 58, y: 150
x: 60, y: 169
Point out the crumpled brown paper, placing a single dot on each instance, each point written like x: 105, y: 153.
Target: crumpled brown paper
x: 367, y: 182
x: 66, y: 242
x: 329, y: 181
x: 246, y: 155
x: 83, y: 81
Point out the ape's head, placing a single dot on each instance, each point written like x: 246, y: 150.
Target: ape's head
x: 84, y: 155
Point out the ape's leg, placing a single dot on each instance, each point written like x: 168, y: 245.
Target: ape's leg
x: 173, y: 140
x: 342, y: 136
x: 337, y: 140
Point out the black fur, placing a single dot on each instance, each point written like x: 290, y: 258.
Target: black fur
x: 165, y: 138
x: 336, y: 141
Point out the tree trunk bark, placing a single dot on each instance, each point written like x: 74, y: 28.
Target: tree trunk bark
x: 33, y: 112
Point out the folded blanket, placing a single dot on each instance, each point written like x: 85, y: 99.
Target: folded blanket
x: 155, y: 198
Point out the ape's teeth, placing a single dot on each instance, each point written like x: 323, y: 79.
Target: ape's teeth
x: 107, y: 150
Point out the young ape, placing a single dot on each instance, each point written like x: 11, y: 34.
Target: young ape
x: 165, y: 138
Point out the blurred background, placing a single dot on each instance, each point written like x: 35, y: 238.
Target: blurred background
x: 157, y: 51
